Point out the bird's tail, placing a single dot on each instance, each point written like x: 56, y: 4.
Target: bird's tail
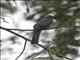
x: 35, y: 38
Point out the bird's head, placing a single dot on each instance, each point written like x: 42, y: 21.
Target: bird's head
x: 51, y: 17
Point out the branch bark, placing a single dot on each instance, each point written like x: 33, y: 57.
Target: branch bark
x: 44, y: 29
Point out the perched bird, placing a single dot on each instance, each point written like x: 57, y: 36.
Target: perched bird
x: 42, y: 24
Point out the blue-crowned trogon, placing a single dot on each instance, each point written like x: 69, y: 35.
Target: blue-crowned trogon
x: 42, y: 24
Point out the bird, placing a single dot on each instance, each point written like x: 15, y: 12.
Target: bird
x: 42, y: 24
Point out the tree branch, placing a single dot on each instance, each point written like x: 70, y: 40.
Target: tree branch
x: 50, y: 55
x: 30, y: 41
x: 22, y: 50
x: 44, y: 29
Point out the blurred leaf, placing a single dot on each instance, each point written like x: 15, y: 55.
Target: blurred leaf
x: 75, y: 43
x: 8, y: 6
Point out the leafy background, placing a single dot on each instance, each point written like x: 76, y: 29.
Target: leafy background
x: 65, y: 41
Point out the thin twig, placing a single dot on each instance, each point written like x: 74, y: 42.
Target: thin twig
x: 3, y: 16
x: 3, y: 20
x: 22, y: 50
x: 50, y: 55
x: 54, y: 51
x: 44, y: 29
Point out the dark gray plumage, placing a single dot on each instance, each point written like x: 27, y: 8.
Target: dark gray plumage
x: 44, y: 23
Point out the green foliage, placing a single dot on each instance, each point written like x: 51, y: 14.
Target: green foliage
x: 8, y: 6
x: 66, y: 14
